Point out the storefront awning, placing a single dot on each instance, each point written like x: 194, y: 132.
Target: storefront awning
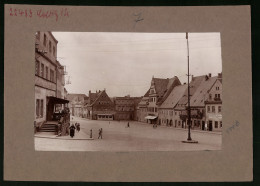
x: 55, y: 100
x: 150, y: 117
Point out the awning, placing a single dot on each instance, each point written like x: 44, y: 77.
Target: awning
x: 150, y: 117
x: 55, y: 100
x: 104, y: 114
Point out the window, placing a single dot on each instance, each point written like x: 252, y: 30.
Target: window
x: 52, y: 75
x: 216, y: 95
x: 39, y: 108
x: 217, y: 88
x: 46, y: 72
x: 208, y: 109
x: 175, y: 113
x: 44, y: 40
x: 53, y: 50
x: 219, y: 109
x: 213, y: 108
x: 50, y: 46
x: 216, y: 124
x: 220, y: 124
x: 155, y: 109
x: 37, y: 67
x: 42, y: 70
x: 210, y: 96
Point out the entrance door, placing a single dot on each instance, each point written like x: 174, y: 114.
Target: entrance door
x: 203, y: 125
x: 210, y: 125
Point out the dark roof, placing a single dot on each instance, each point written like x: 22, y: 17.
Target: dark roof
x: 194, y: 84
x: 199, y: 96
x: 175, y: 95
x: 147, y: 93
x: 164, y: 87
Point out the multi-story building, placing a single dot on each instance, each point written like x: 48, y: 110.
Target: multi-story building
x: 125, y: 107
x: 49, y: 80
x: 100, y: 106
x: 213, y: 106
x: 158, y: 92
x: 199, y: 94
x: 167, y: 116
x: 77, y: 102
x: 142, y: 108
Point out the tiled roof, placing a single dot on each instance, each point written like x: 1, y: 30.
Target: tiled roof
x: 163, y: 87
x: 198, y: 98
x: 194, y: 84
x: 175, y: 95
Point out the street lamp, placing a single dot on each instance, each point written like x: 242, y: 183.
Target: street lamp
x: 189, y: 140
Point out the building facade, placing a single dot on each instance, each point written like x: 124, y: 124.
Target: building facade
x: 167, y: 116
x: 213, y: 106
x: 125, y: 107
x: 100, y: 106
x: 76, y: 105
x: 159, y: 90
x: 49, y: 78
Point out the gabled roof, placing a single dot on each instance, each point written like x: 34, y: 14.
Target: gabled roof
x: 175, y: 95
x: 198, y: 98
x: 163, y: 87
x: 194, y: 84
x: 75, y: 96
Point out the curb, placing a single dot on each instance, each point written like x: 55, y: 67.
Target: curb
x: 60, y: 138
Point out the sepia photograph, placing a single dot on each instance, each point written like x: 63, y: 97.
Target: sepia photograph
x: 128, y: 91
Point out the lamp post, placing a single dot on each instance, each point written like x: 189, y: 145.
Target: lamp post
x: 189, y: 140
x: 188, y: 109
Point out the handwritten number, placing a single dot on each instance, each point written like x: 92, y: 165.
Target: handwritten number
x: 21, y: 12
x: 30, y: 15
x: 15, y: 12
x: 11, y: 12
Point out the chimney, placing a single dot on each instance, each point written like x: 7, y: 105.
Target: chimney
x: 206, y: 77
x: 220, y: 75
x: 89, y: 92
x: 99, y: 91
x: 209, y: 74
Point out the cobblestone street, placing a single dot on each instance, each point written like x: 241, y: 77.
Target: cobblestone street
x: 139, y: 137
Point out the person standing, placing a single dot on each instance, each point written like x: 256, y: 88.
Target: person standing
x: 90, y: 133
x: 72, y: 130
x: 100, y: 133
x: 128, y: 125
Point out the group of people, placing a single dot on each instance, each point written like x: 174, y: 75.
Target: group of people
x: 73, y: 128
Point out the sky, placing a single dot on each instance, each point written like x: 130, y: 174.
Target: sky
x: 124, y: 63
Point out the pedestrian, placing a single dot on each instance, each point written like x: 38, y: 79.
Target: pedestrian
x: 128, y: 125
x: 90, y: 133
x: 78, y: 127
x: 72, y: 130
x: 100, y: 133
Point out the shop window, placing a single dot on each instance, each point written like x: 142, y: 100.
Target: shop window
x: 216, y: 124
